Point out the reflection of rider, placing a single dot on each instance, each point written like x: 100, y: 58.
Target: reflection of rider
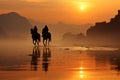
x: 46, y: 58
x: 45, y: 31
x: 35, y: 56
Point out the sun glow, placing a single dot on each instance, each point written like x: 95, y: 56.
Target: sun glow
x: 83, y: 6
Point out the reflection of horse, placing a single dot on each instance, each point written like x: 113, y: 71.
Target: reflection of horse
x: 35, y: 37
x: 35, y: 55
x: 46, y: 58
x: 46, y: 38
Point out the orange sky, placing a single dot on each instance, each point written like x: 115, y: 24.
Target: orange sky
x: 67, y: 11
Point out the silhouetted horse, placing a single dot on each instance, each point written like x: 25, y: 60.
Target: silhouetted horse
x: 35, y: 37
x: 46, y: 38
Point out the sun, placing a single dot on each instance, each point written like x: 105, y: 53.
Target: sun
x: 83, y: 6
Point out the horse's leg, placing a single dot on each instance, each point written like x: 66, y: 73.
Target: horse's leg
x: 38, y: 42
x: 44, y: 42
x: 48, y: 43
x: 34, y: 42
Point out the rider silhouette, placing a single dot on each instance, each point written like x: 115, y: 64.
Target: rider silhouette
x: 46, y: 36
x: 45, y: 31
x: 35, y: 29
x: 35, y: 35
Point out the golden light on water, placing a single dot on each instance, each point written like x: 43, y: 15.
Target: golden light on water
x: 81, y: 72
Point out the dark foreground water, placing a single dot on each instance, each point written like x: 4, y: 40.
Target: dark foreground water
x: 59, y: 63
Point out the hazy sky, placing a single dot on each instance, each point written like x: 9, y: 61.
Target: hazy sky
x: 67, y: 11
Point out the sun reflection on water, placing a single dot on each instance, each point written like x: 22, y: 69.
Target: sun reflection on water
x: 81, y: 72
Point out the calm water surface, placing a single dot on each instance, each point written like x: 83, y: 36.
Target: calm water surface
x: 59, y: 63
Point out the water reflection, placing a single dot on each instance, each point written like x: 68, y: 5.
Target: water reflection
x: 46, y: 58
x: 81, y: 72
x: 35, y: 58
x: 107, y: 60
x: 77, y: 65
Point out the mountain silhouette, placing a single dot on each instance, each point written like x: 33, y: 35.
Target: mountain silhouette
x: 13, y: 25
x: 104, y: 32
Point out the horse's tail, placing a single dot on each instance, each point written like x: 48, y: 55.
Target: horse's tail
x: 49, y: 36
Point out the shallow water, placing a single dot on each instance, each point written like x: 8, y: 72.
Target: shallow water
x: 58, y: 63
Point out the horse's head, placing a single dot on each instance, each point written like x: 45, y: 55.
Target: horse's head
x: 32, y: 31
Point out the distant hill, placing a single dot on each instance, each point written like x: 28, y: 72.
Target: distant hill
x: 102, y: 34
x: 13, y: 25
x: 60, y: 28
x: 106, y: 33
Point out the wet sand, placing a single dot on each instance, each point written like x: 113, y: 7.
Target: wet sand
x: 59, y: 63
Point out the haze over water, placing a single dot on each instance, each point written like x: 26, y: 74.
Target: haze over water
x: 20, y: 62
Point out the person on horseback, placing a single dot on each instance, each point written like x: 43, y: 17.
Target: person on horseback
x: 46, y: 35
x: 45, y: 31
x: 35, y: 35
x: 35, y: 29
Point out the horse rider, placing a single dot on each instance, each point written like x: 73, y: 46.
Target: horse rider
x: 35, y: 29
x: 35, y: 35
x: 45, y: 31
